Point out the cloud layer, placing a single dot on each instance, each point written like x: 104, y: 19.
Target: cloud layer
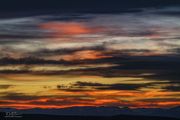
x: 63, y: 60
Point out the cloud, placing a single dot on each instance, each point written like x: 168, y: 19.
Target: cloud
x: 65, y: 51
x: 5, y: 86
x: 68, y: 28
x: 100, y: 86
x: 85, y: 55
x: 106, y: 59
x: 168, y: 11
x: 118, y: 65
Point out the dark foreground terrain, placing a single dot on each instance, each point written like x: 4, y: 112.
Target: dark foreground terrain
x: 54, y: 117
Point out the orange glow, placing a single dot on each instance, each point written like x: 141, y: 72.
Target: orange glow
x: 132, y: 99
x: 83, y: 55
x: 71, y: 28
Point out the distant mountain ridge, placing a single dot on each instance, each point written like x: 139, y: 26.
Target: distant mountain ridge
x: 101, y: 111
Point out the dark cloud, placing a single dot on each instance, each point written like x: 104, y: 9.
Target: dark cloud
x: 4, y: 41
x: 134, y: 32
x: 68, y: 17
x: 65, y: 51
x: 18, y: 96
x: 168, y: 11
x: 5, y: 86
x: 160, y: 67
x: 162, y: 99
x: 83, y: 86
x: 28, y: 61
x: 18, y: 37
x: 175, y: 51
x: 173, y: 87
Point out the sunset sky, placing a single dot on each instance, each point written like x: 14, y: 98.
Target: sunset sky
x: 129, y: 59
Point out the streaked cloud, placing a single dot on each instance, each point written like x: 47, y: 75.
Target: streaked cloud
x: 55, y: 61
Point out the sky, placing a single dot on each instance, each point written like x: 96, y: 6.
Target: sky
x: 124, y: 58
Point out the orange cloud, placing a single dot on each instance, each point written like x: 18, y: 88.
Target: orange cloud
x: 71, y: 28
x: 132, y: 99
x: 85, y: 55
